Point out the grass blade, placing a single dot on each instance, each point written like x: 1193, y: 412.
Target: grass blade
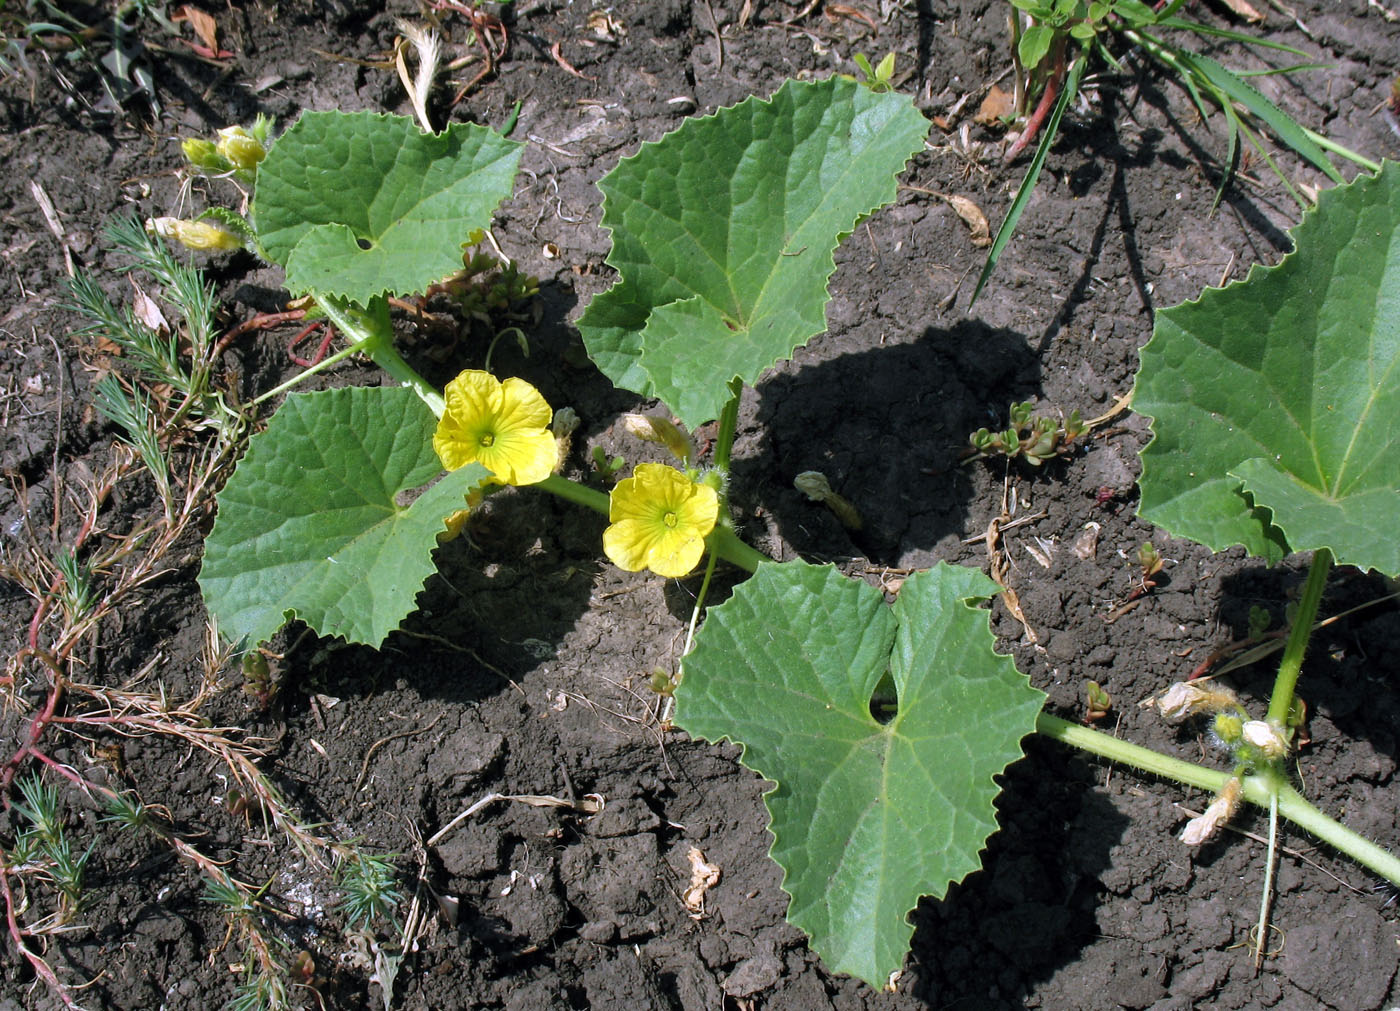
x: 1278, y: 121
x: 1226, y: 33
x: 1023, y: 195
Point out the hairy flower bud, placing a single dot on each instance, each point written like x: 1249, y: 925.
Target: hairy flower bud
x: 194, y: 234
x: 563, y: 427
x: 240, y: 147
x: 652, y: 429
x: 1221, y: 809
x: 203, y: 155
x: 1229, y: 728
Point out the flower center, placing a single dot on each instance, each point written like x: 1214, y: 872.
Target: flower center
x: 488, y: 439
x: 670, y: 519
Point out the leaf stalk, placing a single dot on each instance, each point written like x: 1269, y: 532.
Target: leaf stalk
x: 1281, y: 701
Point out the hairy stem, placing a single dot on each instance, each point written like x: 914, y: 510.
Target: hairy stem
x: 578, y: 494
x: 1266, y: 899
x: 373, y: 335
x: 728, y: 421
x: 1260, y: 790
x: 1281, y: 701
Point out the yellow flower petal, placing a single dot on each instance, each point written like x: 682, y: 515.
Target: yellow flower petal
x: 660, y: 519
x: 502, y: 426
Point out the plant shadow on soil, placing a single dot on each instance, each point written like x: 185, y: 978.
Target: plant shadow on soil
x: 887, y: 426
x: 538, y: 681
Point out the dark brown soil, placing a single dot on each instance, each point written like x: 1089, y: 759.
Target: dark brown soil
x: 534, y: 678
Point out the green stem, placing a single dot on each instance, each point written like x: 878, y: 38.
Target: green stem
x: 578, y: 494
x: 1266, y: 899
x: 1260, y: 790
x: 373, y: 335
x: 699, y: 602
x: 1281, y: 701
x: 296, y: 380
x: 726, y: 543
x: 728, y: 421
x: 1098, y: 743
x: 1293, y: 806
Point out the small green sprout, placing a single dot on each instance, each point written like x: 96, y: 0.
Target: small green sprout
x: 662, y: 682
x: 38, y: 805
x: 134, y: 416
x: 489, y: 288
x: 260, y: 989
x: 125, y: 810
x: 231, y: 897
x: 1259, y: 621
x: 1097, y: 702
x: 68, y: 870
x: 879, y: 78
x: 1030, y: 437
x: 46, y: 846
x: 1149, y: 559
x: 258, y: 682
x: 604, y: 466
x: 78, y: 593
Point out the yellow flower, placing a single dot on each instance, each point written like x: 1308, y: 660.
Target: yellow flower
x: 502, y: 426
x: 659, y: 521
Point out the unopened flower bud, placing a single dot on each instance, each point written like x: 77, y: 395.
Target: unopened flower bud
x: 202, y: 154
x: 1228, y: 728
x: 1221, y: 809
x: 194, y: 234
x: 815, y: 486
x: 1270, y: 742
x: 240, y: 147
x: 652, y: 429
x: 564, y: 425
x: 1186, y: 698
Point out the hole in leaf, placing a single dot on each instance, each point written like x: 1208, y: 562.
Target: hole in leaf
x: 884, y: 707
x: 884, y: 701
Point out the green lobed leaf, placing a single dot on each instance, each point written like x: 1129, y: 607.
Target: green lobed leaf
x: 724, y: 233
x: 336, y: 180
x: 1276, y: 401
x: 312, y: 524
x: 866, y: 817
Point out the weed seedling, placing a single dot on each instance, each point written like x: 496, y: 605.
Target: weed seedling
x: 1052, y: 44
x: 1030, y: 437
x: 370, y: 887
x: 1097, y: 702
x: 879, y: 78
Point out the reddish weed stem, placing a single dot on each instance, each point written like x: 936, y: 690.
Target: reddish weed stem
x: 1042, y: 108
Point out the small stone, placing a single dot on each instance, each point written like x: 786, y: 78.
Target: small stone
x: 599, y: 931
x: 753, y: 975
